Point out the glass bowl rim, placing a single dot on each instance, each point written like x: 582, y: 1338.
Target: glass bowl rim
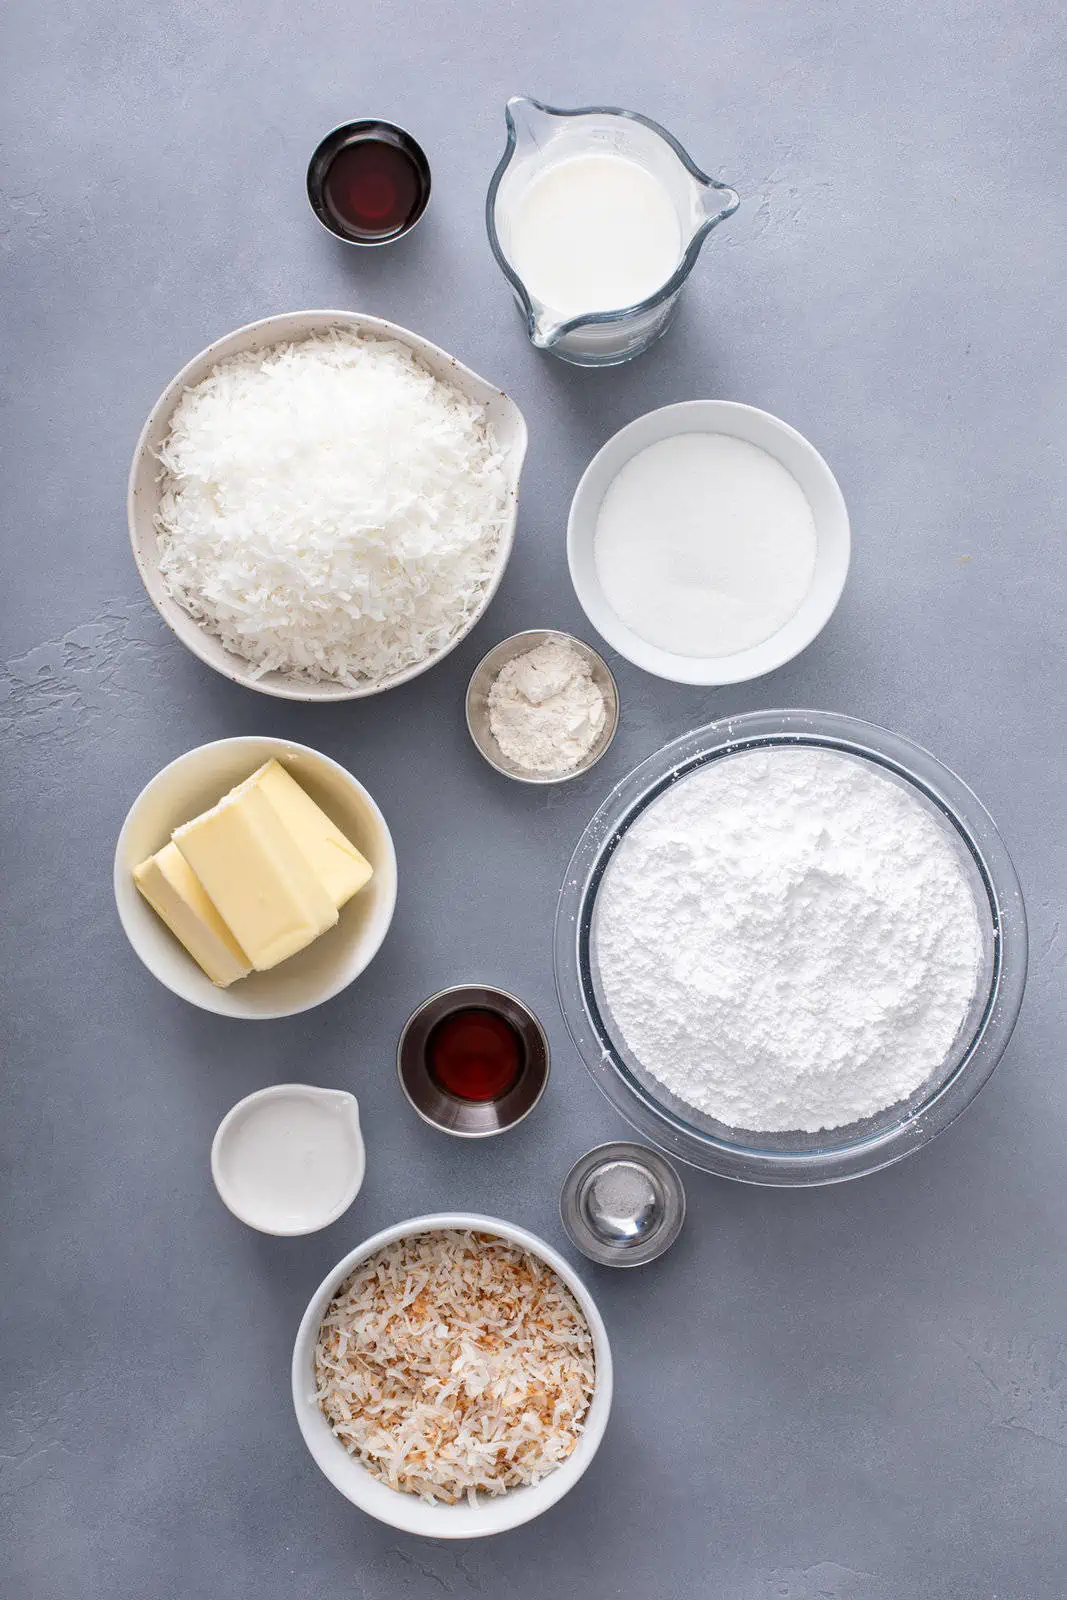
x: 941, y: 787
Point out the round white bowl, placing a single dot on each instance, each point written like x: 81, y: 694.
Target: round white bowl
x: 193, y: 783
x: 795, y: 453
x: 340, y: 1105
x: 406, y: 1511
x: 143, y: 492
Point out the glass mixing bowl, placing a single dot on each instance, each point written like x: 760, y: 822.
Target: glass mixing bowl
x: 796, y: 1158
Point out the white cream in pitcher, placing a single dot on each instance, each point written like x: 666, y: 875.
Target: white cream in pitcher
x: 286, y: 1159
x: 594, y: 233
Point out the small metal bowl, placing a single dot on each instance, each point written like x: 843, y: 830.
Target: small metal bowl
x: 472, y: 1119
x: 485, y: 675
x: 331, y: 147
x: 622, y: 1204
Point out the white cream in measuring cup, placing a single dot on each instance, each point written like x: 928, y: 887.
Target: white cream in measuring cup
x: 594, y: 233
x: 596, y: 217
x: 289, y: 1159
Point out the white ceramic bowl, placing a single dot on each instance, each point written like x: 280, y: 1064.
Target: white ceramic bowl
x: 406, y: 1511
x: 143, y: 492
x: 193, y: 783
x: 796, y: 455
x: 262, y: 1203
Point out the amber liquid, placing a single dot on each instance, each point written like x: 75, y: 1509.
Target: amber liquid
x: 372, y: 188
x: 475, y: 1055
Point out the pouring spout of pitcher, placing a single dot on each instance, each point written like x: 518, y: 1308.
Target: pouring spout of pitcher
x: 717, y: 202
x: 544, y: 331
x: 529, y: 121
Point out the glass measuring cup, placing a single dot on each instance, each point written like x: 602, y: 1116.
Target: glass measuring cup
x: 539, y: 136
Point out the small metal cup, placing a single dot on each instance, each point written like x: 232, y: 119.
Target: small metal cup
x: 622, y: 1204
x: 333, y: 144
x: 472, y: 1119
x: 485, y: 675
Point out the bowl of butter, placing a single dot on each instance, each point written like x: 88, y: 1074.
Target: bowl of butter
x: 255, y: 877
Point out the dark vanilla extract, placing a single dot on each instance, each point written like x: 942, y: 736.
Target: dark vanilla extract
x: 475, y: 1054
x: 373, y: 188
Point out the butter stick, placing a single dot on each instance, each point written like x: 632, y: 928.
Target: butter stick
x: 177, y: 896
x: 335, y: 859
x: 259, y: 879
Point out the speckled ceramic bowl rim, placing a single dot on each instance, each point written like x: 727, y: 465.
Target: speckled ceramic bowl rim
x: 289, y: 327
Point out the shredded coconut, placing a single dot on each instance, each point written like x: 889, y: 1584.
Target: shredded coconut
x: 330, y: 508
x: 787, y: 940
x: 453, y: 1363
x: 545, y: 711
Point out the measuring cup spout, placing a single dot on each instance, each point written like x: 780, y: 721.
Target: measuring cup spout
x: 544, y: 332
x: 656, y: 180
x: 529, y: 120
x: 717, y: 201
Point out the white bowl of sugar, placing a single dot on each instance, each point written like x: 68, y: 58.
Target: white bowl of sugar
x: 708, y: 542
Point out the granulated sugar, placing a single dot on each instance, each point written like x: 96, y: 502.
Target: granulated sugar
x: 705, y: 545
x: 787, y: 940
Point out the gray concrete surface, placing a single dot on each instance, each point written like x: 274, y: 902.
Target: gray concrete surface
x: 852, y: 1394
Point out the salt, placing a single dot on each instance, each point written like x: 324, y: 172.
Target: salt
x: 704, y: 545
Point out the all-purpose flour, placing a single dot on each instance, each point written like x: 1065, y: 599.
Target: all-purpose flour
x: 787, y: 940
x: 545, y: 711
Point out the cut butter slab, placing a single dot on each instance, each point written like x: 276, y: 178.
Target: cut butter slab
x: 261, y: 882
x: 344, y: 871
x: 177, y: 896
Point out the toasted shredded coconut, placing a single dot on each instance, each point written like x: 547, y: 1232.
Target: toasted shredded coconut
x: 453, y: 1363
x: 330, y: 508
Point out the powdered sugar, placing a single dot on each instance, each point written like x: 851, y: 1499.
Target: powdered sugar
x: 787, y: 940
